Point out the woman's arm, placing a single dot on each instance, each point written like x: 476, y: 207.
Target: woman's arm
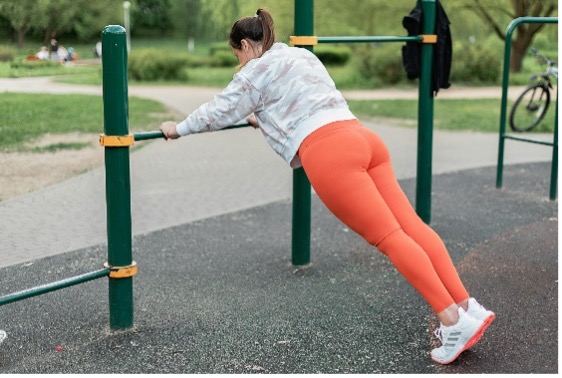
x: 239, y: 99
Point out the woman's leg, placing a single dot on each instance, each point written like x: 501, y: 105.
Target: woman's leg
x: 385, y: 180
x: 343, y: 183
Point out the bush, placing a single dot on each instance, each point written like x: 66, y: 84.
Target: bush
x: 476, y: 63
x: 6, y: 54
x: 221, y: 55
x: 34, y: 64
x: 196, y: 61
x: 382, y: 64
x: 216, y: 47
x: 223, y: 59
x: 154, y: 64
x: 333, y: 56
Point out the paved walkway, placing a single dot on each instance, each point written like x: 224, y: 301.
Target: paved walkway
x: 205, y: 175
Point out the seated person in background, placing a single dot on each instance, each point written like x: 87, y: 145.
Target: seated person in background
x: 43, y: 54
x: 62, y: 54
x: 72, y: 55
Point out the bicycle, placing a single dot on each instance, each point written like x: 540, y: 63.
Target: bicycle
x: 531, y: 106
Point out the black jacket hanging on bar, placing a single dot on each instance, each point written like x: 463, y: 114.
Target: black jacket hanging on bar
x: 442, y: 51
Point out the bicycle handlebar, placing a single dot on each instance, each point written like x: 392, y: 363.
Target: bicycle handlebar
x: 546, y: 60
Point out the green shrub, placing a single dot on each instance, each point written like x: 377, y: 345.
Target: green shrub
x: 223, y: 59
x: 153, y: 64
x: 216, y: 47
x: 333, y: 55
x: 382, y: 64
x: 6, y: 56
x: 221, y: 55
x: 476, y: 63
x: 196, y: 61
x: 34, y: 64
x: 6, y: 53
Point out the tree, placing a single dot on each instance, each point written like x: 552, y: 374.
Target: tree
x: 152, y: 16
x: 24, y: 16
x: 222, y: 15
x: 497, y: 16
x: 84, y: 17
x: 50, y: 18
x: 186, y: 18
x: 93, y: 16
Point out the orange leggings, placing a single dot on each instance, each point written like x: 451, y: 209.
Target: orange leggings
x: 349, y: 167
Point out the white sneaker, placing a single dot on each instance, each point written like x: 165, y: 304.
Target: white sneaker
x: 457, y: 338
x: 3, y: 336
x: 477, y: 311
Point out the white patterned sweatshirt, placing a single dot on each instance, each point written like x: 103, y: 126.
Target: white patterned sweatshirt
x: 289, y: 91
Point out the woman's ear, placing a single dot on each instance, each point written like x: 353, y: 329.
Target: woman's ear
x: 244, y: 45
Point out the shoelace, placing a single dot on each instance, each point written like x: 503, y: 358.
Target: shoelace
x: 439, y: 334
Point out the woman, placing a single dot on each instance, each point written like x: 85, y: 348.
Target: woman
x: 289, y: 95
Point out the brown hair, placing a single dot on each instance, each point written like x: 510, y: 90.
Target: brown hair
x: 258, y: 28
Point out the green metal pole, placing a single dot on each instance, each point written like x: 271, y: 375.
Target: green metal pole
x: 554, y: 167
x: 304, y: 26
x: 43, y: 289
x: 503, y: 106
x: 425, y: 117
x: 117, y: 174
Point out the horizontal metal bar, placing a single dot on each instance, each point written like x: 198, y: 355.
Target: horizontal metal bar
x: 149, y: 135
x: 53, y: 286
x: 237, y: 126
x: 529, y: 20
x: 370, y: 39
x: 544, y: 143
x: 159, y: 134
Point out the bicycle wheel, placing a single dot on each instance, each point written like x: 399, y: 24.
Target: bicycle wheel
x: 530, y: 108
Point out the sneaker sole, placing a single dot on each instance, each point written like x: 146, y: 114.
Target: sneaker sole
x: 471, y: 342
x: 487, y: 322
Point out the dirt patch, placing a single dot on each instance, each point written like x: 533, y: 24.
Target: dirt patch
x: 60, y: 157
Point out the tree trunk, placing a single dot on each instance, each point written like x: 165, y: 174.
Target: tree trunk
x: 516, y: 62
x: 519, y: 47
x: 21, y: 37
x: 47, y: 36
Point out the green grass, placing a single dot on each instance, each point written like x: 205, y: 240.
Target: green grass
x: 36, y: 68
x: 476, y: 115
x: 26, y: 117
x: 60, y: 146
x: 210, y: 76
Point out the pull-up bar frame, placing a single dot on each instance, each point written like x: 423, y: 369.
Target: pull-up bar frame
x: 120, y: 268
x: 503, y: 114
